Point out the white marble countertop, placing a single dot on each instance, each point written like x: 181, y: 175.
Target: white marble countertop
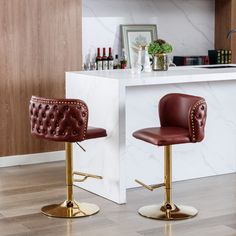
x: 122, y: 102
x: 181, y: 74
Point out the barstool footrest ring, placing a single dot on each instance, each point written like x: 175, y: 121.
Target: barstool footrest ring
x: 150, y: 187
x: 85, y: 175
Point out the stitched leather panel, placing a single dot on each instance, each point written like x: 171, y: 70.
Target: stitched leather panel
x: 198, y: 121
x: 58, y: 119
x: 182, y: 118
x: 185, y: 111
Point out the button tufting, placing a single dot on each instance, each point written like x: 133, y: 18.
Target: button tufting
x: 59, y: 119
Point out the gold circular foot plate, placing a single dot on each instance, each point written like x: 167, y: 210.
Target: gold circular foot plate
x: 70, y: 210
x: 160, y: 212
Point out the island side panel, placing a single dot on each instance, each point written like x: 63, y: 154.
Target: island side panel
x: 102, y: 156
x: 215, y: 155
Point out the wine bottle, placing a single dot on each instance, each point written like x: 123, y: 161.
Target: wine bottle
x: 123, y: 61
x: 104, y: 60
x: 110, y: 60
x: 116, y: 62
x: 99, y: 60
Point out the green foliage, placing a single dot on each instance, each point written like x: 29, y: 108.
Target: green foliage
x: 159, y: 46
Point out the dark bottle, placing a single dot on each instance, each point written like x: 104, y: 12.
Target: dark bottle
x: 123, y: 60
x: 110, y: 60
x: 99, y: 60
x: 116, y: 62
x: 104, y: 60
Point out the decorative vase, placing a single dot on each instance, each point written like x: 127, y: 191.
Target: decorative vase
x: 160, y: 62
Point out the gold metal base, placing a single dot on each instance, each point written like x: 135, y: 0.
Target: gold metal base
x: 161, y: 212
x: 70, y: 209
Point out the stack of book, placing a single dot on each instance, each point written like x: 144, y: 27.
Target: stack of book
x: 220, y: 56
x: 190, y: 60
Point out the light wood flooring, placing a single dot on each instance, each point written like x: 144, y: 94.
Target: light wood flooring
x: 24, y: 189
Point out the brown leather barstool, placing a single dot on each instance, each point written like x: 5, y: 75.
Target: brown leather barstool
x: 65, y: 120
x: 182, y: 119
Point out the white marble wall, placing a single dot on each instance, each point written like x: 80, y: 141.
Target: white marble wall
x: 187, y: 24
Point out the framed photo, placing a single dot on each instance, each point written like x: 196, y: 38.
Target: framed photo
x: 135, y: 35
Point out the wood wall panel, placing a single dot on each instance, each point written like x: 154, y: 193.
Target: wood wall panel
x: 222, y: 23
x: 39, y: 41
x: 233, y: 25
x: 225, y: 20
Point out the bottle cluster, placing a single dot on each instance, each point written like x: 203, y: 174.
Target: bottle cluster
x: 104, y: 61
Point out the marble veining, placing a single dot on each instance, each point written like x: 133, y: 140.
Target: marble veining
x: 187, y: 24
x: 195, y: 26
x: 122, y: 104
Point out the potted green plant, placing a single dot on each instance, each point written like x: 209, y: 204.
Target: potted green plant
x: 159, y: 49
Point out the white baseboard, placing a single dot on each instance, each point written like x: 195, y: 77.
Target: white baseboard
x: 32, y: 158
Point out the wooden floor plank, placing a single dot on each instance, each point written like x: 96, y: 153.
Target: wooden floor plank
x: 25, y: 189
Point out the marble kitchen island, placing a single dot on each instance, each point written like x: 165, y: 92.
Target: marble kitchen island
x: 122, y: 102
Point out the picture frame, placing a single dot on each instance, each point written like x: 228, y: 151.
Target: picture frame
x: 134, y: 35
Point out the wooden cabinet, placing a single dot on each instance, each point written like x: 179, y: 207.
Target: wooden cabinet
x: 225, y: 20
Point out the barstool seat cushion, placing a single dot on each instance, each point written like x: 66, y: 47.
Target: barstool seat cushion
x: 93, y: 132
x: 163, y: 136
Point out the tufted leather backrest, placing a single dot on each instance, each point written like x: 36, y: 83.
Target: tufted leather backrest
x: 185, y: 111
x: 58, y: 119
